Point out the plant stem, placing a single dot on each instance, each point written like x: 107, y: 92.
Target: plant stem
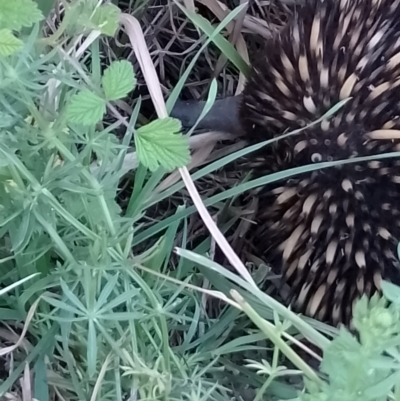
x: 271, y: 332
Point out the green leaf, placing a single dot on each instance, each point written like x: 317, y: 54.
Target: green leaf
x: 382, y: 389
x: 71, y: 296
x: 121, y: 298
x: 106, y: 291
x: 89, y: 207
x: 158, y: 144
x: 62, y: 305
x: 92, y: 349
x: 118, y: 80
x: 9, y: 44
x: 86, y: 15
x: 223, y: 44
x: 106, y: 18
x: 41, y: 380
x: 86, y: 108
x: 391, y: 292
x: 16, y: 14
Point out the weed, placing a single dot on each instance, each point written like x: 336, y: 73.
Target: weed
x: 91, y: 309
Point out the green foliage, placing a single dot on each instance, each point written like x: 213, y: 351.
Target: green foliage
x: 9, y: 44
x: 18, y: 14
x: 159, y: 144
x: 87, y: 15
x: 99, y: 324
x: 362, y: 364
x: 15, y: 15
x: 105, y: 316
x: 391, y: 292
x: 365, y: 368
x: 45, y: 6
x: 105, y: 18
x: 118, y: 80
x: 87, y: 108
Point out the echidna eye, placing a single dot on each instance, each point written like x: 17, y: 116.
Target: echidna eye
x: 316, y: 157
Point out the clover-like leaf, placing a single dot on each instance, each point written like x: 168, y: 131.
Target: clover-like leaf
x: 159, y: 144
x: 17, y: 14
x: 86, y: 108
x: 9, y: 44
x: 85, y: 16
x: 106, y: 18
x: 118, y: 80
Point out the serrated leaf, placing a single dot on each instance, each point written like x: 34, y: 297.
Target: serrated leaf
x: 158, y: 144
x: 106, y: 18
x: 17, y: 14
x: 161, y: 126
x: 9, y: 44
x: 118, y: 80
x: 86, y: 108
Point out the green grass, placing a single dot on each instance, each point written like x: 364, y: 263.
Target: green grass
x: 100, y: 302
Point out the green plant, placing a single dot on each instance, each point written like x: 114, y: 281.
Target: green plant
x: 107, y: 311
x: 94, y: 323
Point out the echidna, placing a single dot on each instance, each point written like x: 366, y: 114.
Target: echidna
x: 334, y: 231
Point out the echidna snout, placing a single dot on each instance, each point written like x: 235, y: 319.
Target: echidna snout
x: 333, y: 231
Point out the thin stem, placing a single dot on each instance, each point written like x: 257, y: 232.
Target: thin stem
x: 270, y: 331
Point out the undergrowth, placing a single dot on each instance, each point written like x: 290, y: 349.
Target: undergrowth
x: 84, y: 317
